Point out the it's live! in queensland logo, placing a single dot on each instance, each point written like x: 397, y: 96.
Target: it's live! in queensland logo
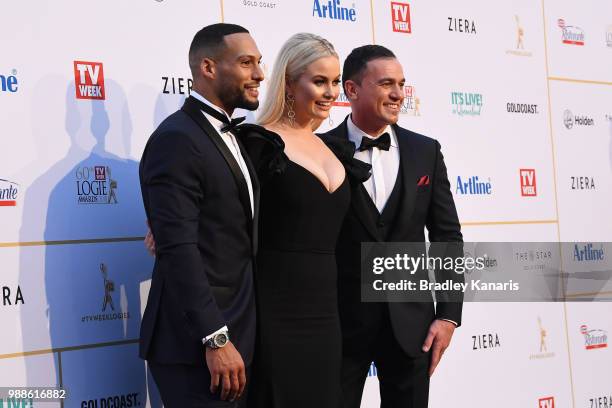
x: 89, y: 80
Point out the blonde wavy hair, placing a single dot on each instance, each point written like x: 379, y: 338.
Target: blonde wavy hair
x: 297, y: 53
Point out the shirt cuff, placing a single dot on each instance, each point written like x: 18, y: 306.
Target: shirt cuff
x: 210, y: 336
x: 452, y: 321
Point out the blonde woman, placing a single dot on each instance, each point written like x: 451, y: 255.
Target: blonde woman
x: 305, y: 194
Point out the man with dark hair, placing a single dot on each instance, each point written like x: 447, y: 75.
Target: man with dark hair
x: 408, y: 191
x: 201, y: 198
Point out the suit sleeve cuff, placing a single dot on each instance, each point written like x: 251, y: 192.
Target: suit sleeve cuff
x: 452, y: 321
x: 221, y: 330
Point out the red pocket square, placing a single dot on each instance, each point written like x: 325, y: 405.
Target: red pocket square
x: 423, y: 181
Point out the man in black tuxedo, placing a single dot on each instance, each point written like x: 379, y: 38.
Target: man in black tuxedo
x: 201, y: 198
x: 408, y: 191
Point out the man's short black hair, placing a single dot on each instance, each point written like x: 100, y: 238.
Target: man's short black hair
x: 356, y: 62
x: 209, y: 42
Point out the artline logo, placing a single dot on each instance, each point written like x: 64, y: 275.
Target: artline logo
x: 109, y: 288
x: 89, y: 80
x: 543, y: 353
x: 528, y: 182
x: 412, y: 103
x: 333, y: 10
x: 9, y: 192
x: 485, y: 341
x: 12, y: 297
x: 95, y: 185
x: 609, y: 36
x: 466, y: 104
x: 519, y: 50
x: 9, y: 83
x: 594, y: 338
x: 473, y: 186
x: 587, y: 252
x: 570, y: 34
x: 583, y: 182
x: 569, y: 120
x: 342, y: 100
x: 461, y: 25
x: 522, y: 108
x: 400, y: 17
x: 181, y: 86
x: 546, y: 402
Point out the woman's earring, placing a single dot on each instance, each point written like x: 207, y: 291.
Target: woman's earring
x: 330, y: 121
x: 290, y: 111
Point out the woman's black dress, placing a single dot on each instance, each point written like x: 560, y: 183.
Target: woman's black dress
x: 298, y: 354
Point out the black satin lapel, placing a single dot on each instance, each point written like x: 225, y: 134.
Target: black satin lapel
x: 362, y: 204
x: 364, y: 209
x: 409, y: 177
x: 256, y: 191
x: 191, y: 108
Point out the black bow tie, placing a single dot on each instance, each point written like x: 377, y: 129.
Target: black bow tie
x: 229, y: 124
x: 383, y: 142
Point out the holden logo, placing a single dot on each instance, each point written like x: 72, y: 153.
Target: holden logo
x: 568, y: 119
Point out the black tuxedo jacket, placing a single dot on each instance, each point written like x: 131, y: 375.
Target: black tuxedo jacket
x: 417, y: 207
x: 197, y: 202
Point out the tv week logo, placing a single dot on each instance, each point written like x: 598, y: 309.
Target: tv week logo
x: 548, y: 402
x: 400, y: 16
x: 89, y: 80
x: 528, y: 182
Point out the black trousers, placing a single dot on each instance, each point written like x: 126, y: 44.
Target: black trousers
x: 404, y: 380
x: 187, y: 386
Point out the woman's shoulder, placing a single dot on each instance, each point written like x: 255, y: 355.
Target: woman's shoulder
x: 344, y: 150
x: 264, y: 147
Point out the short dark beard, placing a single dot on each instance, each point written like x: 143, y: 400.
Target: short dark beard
x: 233, y: 97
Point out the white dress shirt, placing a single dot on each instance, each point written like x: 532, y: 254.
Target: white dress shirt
x: 385, y: 164
x: 232, y: 145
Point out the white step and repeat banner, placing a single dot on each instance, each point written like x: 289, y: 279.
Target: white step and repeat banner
x: 519, y: 94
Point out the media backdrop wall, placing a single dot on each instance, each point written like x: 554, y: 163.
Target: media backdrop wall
x: 519, y: 94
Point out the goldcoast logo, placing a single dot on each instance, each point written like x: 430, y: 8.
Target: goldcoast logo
x: 8, y: 193
x: 466, y: 104
x: 333, y: 10
x: 95, y: 185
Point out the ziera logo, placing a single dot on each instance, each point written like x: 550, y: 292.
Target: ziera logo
x: 594, y: 338
x: 546, y: 402
x: 583, y: 182
x: 528, y: 182
x: 570, y: 34
x: 181, y: 86
x: 89, y: 80
x: 473, y: 186
x: 9, y: 83
x: 8, y: 193
x: 485, y: 341
x: 466, y: 104
x: 461, y: 25
x: 12, y: 298
x: 400, y: 17
x: 333, y: 10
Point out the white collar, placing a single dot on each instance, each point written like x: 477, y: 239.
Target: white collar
x: 355, y: 134
x: 215, y: 122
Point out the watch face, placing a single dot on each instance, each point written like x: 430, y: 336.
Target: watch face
x: 221, y: 339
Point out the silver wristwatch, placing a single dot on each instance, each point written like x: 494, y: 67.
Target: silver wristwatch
x: 217, y: 341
